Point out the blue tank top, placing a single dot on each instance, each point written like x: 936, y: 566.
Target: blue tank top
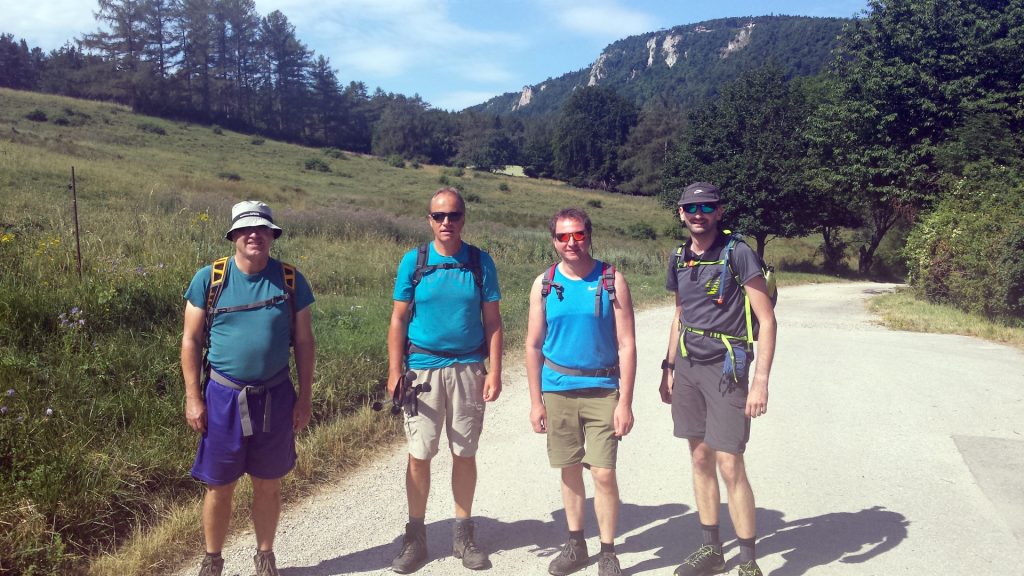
x: 576, y: 338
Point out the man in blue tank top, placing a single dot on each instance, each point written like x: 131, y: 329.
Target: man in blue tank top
x: 580, y: 366
x: 445, y: 321
x: 243, y: 403
x: 706, y: 372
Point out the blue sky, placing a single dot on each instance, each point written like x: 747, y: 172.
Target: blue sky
x: 453, y: 53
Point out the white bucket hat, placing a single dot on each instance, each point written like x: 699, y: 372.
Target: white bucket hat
x: 251, y: 213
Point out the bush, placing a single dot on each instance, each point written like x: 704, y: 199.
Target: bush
x: 503, y: 187
x: 641, y: 231
x: 257, y: 141
x: 230, y: 176
x: 969, y: 251
x: 594, y: 203
x: 335, y: 153
x: 444, y: 180
x: 396, y: 161
x: 317, y: 165
x: 36, y: 115
x: 152, y: 128
x: 62, y: 121
x: 472, y: 197
x: 217, y: 130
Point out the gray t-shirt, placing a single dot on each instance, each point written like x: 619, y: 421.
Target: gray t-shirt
x: 696, y: 282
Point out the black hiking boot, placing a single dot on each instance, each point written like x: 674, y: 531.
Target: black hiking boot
x: 706, y: 560
x: 211, y: 566
x: 464, y: 546
x: 608, y: 564
x: 572, y: 558
x: 266, y: 563
x: 414, y: 550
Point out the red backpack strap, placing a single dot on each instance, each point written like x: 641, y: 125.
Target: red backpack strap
x: 607, y: 283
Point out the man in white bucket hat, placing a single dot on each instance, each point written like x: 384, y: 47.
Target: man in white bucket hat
x: 246, y: 311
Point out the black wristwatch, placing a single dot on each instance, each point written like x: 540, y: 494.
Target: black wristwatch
x: 665, y: 364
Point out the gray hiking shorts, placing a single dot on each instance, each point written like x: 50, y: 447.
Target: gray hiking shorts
x: 708, y: 405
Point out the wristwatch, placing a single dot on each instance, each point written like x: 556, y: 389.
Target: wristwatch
x: 665, y: 365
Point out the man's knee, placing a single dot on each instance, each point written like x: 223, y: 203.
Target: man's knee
x: 604, y: 480
x: 731, y: 467
x: 263, y: 489
x: 703, y: 456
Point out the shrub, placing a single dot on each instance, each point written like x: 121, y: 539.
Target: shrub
x: 230, y: 176
x: 217, y: 130
x: 641, y: 231
x: 152, y: 128
x: 257, y: 141
x: 472, y: 197
x: 36, y: 115
x: 503, y: 187
x: 62, y: 121
x: 444, y: 180
x: 317, y: 165
x: 416, y: 165
x: 594, y: 203
x: 334, y: 153
x: 396, y: 161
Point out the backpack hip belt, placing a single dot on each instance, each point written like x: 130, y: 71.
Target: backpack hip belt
x: 726, y: 340
x: 261, y: 387
x: 411, y: 348
x: 611, y: 372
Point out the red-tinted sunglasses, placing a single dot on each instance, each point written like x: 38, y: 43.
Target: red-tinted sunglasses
x: 578, y: 236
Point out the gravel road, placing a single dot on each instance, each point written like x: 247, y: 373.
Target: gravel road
x: 882, y: 452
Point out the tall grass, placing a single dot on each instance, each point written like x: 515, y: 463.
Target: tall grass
x: 94, y: 452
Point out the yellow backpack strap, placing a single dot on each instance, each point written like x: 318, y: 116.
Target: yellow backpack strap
x: 218, y: 272
x: 289, y: 285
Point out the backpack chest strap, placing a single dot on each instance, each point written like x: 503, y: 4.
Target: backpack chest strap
x: 252, y: 306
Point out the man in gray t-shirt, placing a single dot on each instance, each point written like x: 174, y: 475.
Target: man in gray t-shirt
x: 706, y: 372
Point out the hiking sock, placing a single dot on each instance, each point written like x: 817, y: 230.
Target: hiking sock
x: 576, y: 535
x: 462, y: 521
x: 214, y: 555
x: 710, y: 534
x: 416, y: 521
x: 608, y: 547
x: 746, y: 549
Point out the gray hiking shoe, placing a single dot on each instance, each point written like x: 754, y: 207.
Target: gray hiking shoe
x: 706, y: 560
x: 266, y: 563
x: 464, y: 546
x: 414, y: 550
x: 608, y: 564
x: 572, y: 558
x: 749, y: 569
x: 211, y: 566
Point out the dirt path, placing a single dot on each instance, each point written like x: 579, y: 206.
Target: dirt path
x: 882, y: 453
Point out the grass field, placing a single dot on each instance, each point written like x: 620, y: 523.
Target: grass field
x: 94, y: 453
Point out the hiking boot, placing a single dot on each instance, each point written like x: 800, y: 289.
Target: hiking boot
x: 572, y: 558
x: 266, y: 564
x: 464, y: 546
x: 749, y: 569
x: 608, y: 564
x: 211, y: 566
x: 414, y: 550
x: 706, y: 560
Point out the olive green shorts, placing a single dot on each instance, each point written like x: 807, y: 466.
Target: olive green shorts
x: 581, y: 428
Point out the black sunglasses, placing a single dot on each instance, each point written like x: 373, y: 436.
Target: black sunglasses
x: 704, y: 208
x: 451, y: 216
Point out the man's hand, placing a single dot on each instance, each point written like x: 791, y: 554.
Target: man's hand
x: 195, y: 413
x: 539, y: 418
x: 301, y: 414
x: 492, y: 387
x: 757, y: 397
x: 667, y: 380
x: 622, y: 420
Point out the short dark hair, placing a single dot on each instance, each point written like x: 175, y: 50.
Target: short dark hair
x: 448, y: 190
x: 570, y: 214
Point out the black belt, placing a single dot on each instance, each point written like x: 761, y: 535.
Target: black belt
x: 261, y: 387
x: 411, y: 348
x: 612, y: 372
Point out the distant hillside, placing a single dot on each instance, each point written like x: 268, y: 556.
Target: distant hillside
x: 686, y: 63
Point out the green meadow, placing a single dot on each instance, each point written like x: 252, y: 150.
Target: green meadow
x: 94, y: 451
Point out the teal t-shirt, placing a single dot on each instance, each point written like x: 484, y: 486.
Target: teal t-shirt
x: 575, y: 337
x: 250, y: 345
x: 447, y: 315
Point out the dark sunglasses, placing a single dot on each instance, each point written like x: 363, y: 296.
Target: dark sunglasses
x: 704, y: 208
x: 578, y: 236
x: 451, y: 216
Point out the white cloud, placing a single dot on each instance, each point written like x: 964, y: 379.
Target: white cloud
x: 461, y: 99
x: 603, y: 19
x: 47, y: 24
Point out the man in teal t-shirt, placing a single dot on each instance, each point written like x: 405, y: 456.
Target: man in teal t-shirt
x: 445, y: 322
x: 244, y: 406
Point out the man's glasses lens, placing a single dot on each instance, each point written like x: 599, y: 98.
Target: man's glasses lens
x: 704, y: 208
x: 451, y: 216
x: 578, y: 236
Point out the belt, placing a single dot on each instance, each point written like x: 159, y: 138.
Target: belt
x: 260, y: 387
x: 612, y: 372
x: 411, y: 348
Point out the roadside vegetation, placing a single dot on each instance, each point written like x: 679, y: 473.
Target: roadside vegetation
x: 902, y: 310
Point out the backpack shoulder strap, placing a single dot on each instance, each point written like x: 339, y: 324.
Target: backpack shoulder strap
x: 289, y: 273
x: 606, y: 282
x: 677, y: 256
x: 549, y: 282
x: 218, y: 275
x: 422, y: 251
x: 476, y: 268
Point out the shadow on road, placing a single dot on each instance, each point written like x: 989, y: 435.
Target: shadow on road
x: 669, y: 530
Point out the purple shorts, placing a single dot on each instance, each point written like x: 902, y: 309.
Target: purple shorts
x: 224, y: 455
